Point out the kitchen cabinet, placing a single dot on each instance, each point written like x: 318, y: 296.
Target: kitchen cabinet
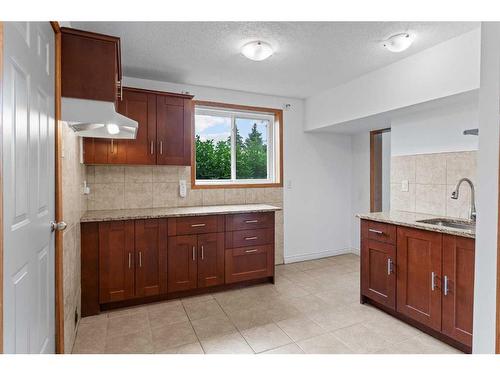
x: 210, y: 259
x: 164, y: 136
x: 248, y: 263
x: 378, y: 276
x: 425, y: 276
x: 90, y: 65
x: 116, y: 261
x: 419, y: 275
x: 150, y: 257
x: 182, y: 263
x: 458, y: 287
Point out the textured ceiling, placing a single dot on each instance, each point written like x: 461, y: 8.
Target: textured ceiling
x: 309, y: 56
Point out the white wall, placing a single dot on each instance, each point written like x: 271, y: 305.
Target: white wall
x: 437, y: 130
x: 360, y: 183
x: 449, y: 68
x: 487, y: 199
x: 317, y: 165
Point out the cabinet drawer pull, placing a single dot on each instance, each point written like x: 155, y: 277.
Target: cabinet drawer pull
x: 251, y: 251
x: 161, y: 147
x: 445, y: 287
x: 251, y: 221
x: 140, y: 258
x: 433, y: 281
x: 198, y: 225
x: 112, y: 146
x: 389, y: 266
x: 129, y: 260
x: 202, y: 253
x: 250, y: 238
x: 152, y: 150
x: 375, y: 231
x: 194, y: 252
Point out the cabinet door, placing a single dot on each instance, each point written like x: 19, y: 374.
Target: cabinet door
x: 141, y: 107
x: 182, y: 263
x: 173, y: 129
x: 116, y: 261
x: 150, y: 246
x: 458, y: 287
x: 419, y: 275
x: 104, y: 151
x: 378, y: 273
x: 249, y: 263
x: 210, y: 259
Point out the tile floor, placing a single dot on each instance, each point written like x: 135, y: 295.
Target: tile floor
x: 313, y: 308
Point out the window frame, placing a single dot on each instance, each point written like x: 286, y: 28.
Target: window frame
x: 275, y: 145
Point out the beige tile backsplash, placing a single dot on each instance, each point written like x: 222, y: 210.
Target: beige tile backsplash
x: 122, y: 187
x: 432, y: 178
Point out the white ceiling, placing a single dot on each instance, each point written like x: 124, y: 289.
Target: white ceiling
x: 309, y: 56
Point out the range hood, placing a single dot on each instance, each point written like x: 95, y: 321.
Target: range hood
x: 97, y: 119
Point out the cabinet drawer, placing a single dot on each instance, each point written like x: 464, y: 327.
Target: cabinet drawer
x: 250, y: 237
x: 194, y: 225
x: 382, y: 232
x: 249, y: 263
x: 253, y: 220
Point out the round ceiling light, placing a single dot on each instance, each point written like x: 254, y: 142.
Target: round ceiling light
x: 399, y: 42
x: 257, y: 51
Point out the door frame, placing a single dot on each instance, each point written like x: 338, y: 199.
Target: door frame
x: 59, y: 294
x: 1, y: 188
x: 376, y: 169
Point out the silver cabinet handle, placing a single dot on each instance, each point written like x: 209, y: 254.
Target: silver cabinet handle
x: 202, y: 253
x: 445, y: 287
x: 112, y: 146
x: 140, y: 258
x: 198, y: 225
x: 375, y: 231
x: 389, y: 266
x: 251, y: 221
x: 251, y: 251
x: 433, y: 281
x: 129, y: 260
x: 194, y: 252
x: 152, y: 150
x: 250, y: 238
x: 161, y: 147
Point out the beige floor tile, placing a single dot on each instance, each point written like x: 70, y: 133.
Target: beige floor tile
x: 308, y: 303
x: 339, y: 298
x: 265, y: 337
x: 249, y: 318
x: 422, y: 344
x: 361, y: 339
x: 127, y: 311
x: 324, y: 344
x: 194, y: 348
x: 392, y: 329
x: 195, y: 299
x: 203, y: 309
x: 125, y: 324
x: 134, y: 343
x: 232, y: 343
x: 173, y: 335
x: 300, y: 328
x: 163, y: 305
x: 337, y: 318
x: 165, y: 315
x: 91, y: 338
x: 213, y: 326
x: 285, y: 349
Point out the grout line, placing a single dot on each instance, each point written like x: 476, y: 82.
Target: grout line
x: 192, y: 327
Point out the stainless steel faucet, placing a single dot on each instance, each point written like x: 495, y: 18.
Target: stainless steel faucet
x: 472, y: 207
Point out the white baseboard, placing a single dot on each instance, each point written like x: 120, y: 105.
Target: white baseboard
x: 321, y: 254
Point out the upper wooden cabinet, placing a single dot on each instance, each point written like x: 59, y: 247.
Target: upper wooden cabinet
x: 90, y: 65
x: 164, y: 135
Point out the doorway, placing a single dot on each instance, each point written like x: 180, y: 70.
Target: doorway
x: 380, y: 170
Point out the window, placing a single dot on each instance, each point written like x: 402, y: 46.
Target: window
x: 236, y: 145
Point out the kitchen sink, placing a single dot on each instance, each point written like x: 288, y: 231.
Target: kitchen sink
x: 450, y: 223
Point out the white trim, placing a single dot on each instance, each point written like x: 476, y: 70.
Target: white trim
x: 318, y: 255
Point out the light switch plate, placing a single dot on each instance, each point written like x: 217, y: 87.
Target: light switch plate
x: 182, y: 188
x: 405, y: 185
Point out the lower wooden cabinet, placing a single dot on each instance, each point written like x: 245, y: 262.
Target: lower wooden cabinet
x: 458, y: 288
x: 427, y: 277
x: 182, y: 263
x: 249, y: 263
x: 116, y: 261
x: 210, y: 259
x: 419, y: 274
x: 378, y: 272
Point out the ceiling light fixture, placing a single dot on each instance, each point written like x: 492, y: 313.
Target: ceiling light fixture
x: 257, y: 51
x: 399, y: 42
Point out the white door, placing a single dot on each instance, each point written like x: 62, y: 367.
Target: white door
x: 28, y: 187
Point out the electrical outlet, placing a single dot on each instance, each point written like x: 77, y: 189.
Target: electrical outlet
x: 182, y: 188
x: 288, y: 184
x: 405, y: 185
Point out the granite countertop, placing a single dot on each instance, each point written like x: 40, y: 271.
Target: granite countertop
x: 153, y: 213
x: 409, y: 219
